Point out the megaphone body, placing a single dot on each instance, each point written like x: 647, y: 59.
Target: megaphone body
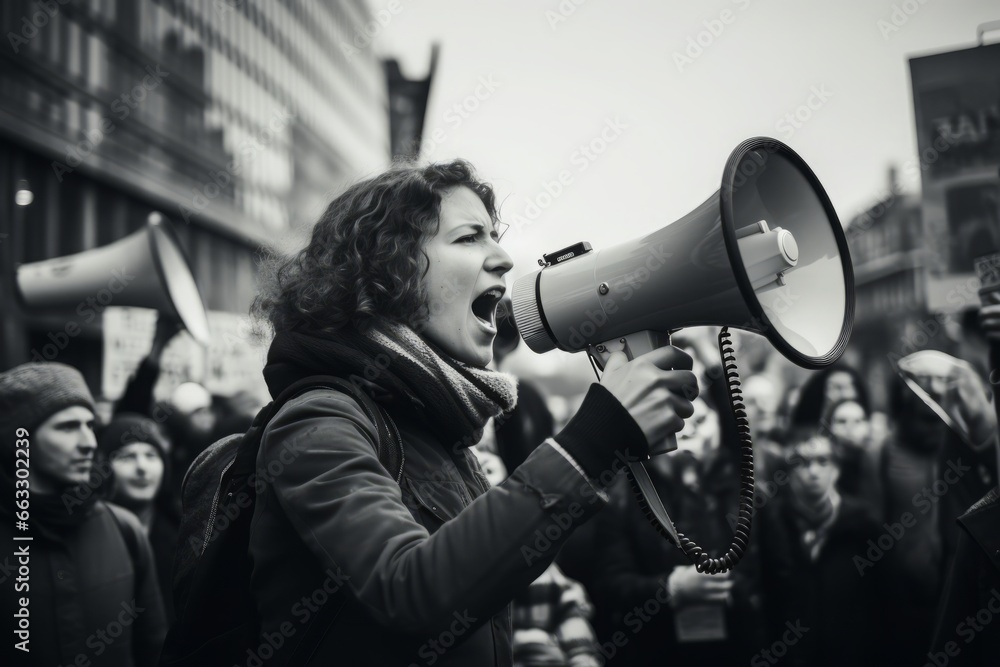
x: 145, y: 269
x: 765, y: 253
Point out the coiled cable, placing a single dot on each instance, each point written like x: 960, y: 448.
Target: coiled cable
x: 741, y: 536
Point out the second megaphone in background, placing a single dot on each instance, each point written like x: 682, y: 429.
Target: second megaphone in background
x: 152, y: 273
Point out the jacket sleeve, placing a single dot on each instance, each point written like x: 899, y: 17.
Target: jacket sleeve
x: 349, y: 512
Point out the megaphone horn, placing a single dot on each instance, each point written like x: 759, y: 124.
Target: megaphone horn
x: 766, y: 253
x: 146, y: 269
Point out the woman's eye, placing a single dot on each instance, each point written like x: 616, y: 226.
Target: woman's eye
x: 467, y: 239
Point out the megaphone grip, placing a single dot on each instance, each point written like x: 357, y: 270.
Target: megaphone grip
x: 741, y: 536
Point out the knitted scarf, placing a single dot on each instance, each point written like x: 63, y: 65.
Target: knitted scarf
x: 815, y: 517
x: 454, y: 399
x: 52, y: 513
x: 817, y: 511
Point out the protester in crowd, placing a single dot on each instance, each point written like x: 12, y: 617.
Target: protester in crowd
x: 234, y: 414
x: 398, y: 287
x: 972, y: 590
x: 190, y: 426
x: 650, y: 590
x: 551, y: 617
x: 762, y: 398
x: 139, y: 456
x: 550, y: 620
x: 930, y: 474
x: 824, y: 606
x: 192, y: 403
x: 848, y: 424
x: 92, y: 592
x: 825, y: 387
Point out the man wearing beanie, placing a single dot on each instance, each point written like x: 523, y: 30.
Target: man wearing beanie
x: 138, y: 454
x: 84, y: 584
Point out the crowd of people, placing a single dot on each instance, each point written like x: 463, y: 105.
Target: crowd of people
x: 867, y: 548
x: 104, y: 506
x: 854, y: 534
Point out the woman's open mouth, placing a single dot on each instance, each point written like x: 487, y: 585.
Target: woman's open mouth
x: 484, y: 307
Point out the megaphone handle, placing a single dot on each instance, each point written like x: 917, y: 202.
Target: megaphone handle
x: 634, y: 345
x: 657, y: 515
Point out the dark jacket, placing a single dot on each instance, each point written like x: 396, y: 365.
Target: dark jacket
x: 836, y: 611
x: 86, y: 595
x: 635, y: 561
x: 163, y: 540
x: 972, y: 593
x: 934, y: 484
x: 424, y: 570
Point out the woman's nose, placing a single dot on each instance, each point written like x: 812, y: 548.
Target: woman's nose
x: 499, y: 261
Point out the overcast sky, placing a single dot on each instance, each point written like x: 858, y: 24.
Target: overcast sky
x: 674, y: 87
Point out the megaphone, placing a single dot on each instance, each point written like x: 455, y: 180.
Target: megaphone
x: 766, y: 253
x: 156, y: 275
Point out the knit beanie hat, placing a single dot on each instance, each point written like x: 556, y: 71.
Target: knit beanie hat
x: 33, y: 392
x: 127, y: 428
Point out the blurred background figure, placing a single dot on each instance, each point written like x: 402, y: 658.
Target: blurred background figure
x: 849, y: 427
x: 762, y: 397
x: 823, y: 389
x: 190, y: 425
x: 707, y: 619
x: 139, y: 455
x: 974, y: 572
x: 809, y: 537
x: 929, y: 472
x: 89, y: 559
x: 234, y: 414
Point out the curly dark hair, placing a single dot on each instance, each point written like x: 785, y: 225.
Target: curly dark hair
x: 808, y: 409
x: 365, y: 258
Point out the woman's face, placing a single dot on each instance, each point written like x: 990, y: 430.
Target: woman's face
x: 464, y: 280
x: 138, y: 471
x: 849, y: 424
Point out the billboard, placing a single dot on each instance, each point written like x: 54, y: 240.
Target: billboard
x: 956, y: 98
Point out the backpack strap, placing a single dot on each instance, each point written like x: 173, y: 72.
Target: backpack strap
x: 388, y: 446
x: 131, y: 540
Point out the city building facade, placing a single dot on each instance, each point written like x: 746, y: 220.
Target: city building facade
x: 235, y: 120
